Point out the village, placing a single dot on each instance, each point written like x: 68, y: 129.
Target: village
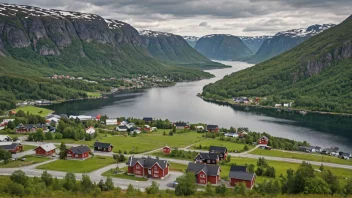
x: 150, y: 149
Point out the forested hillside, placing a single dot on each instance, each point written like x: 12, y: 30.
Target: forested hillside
x: 316, y: 75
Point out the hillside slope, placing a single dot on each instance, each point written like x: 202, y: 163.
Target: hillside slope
x: 191, y: 40
x: 284, y: 41
x: 317, y: 74
x: 254, y: 42
x: 222, y: 47
x: 173, y: 49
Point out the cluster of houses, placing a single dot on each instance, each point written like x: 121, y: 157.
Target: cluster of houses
x: 334, y: 151
x: 36, y: 102
x: 4, y: 123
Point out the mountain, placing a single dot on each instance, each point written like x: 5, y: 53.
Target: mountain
x: 254, y: 42
x: 191, y: 40
x: 174, y: 49
x: 36, y: 43
x: 316, y: 75
x: 222, y: 47
x: 286, y: 40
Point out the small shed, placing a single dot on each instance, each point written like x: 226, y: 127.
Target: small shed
x: 166, y: 150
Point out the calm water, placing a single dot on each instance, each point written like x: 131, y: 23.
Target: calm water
x: 180, y: 103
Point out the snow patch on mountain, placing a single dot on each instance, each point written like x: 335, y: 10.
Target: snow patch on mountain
x: 151, y: 33
x: 303, y: 32
x: 191, y: 38
x: 212, y: 35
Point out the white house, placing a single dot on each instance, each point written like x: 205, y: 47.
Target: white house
x: 154, y: 129
x: 130, y: 125
x: 82, y: 117
x: 5, y: 138
x: 121, y: 128
x: 286, y: 105
x: 200, y: 127
x: 278, y: 105
x: 124, y: 123
x: 111, y: 122
x: 90, y: 130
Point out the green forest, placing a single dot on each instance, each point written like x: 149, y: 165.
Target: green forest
x: 316, y: 75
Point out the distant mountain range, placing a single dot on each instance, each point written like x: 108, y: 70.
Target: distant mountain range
x: 254, y: 42
x: 284, y: 41
x: 316, y: 74
x: 174, y: 49
x: 222, y: 47
x: 191, y: 40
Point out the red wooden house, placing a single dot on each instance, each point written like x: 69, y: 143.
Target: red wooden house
x: 45, y: 149
x: 12, y: 147
x: 263, y: 140
x: 239, y: 176
x: 101, y: 146
x: 181, y: 125
x: 222, y: 151
x: 148, y: 167
x: 79, y: 152
x: 212, y: 128
x: 207, y: 158
x: 166, y: 150
x: 205, y: 173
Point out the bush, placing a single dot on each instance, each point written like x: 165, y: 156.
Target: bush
x: 153, y: 189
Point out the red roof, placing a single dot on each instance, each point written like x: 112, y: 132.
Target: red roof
x: 98, y: 116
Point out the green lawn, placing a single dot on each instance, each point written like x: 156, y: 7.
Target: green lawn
x: 28, y: 147
x: 30, y: 159
x: 78, y: 166
x: 123, y: 175
x: 231, y: 146
x: 281, y: 168
x: 94, y: 94
x: 177, y: 167
x: 302, y: 156
x: 34, y: 110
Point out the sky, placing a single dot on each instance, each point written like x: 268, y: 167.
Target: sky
x: 203, y: 17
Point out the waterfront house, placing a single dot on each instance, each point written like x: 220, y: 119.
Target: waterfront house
x: 205, y: 173
x: 212, y: 128
x: 181, y: 125
x: 30, y: 128
x: 101, y: 146
x: 148, y: 119
x: 111, y: 122
x: 263, y: 140
x: 121, y: 128
x: 90, y: 130
x: 222, y: 151
x: 166, y: 150
x: 240, y: 176
x: 148, y: 167
x: 12, y: 147
x: 5, y: 138
x: 311, y: 149
x: 136, y: 130
x: 45, y: 149
x: 81, y: 117
x: 278, y: 105
x: 78, y: 152
x: 207, y: 158
x: 231, y: 135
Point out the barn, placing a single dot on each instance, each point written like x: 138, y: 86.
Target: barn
x: 45, y: 149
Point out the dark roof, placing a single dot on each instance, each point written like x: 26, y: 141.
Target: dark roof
x: 241, y: 175
x: 217, y: 149
x: 122, y: 127
x: 102, y: 145
x: 10, y: 146
x: 80, y: 149
x: 148, y: 119
x: 238, y: 168
x: 212, y: 126
x: 181, y: 124
x: 208, y: 169
x: 147, y: 162
x: 210, y: 156
x: 346, y: 154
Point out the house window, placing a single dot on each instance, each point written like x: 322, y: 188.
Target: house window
x: 202, y: 176
x: 138, y: 172
x: 137, y: 167
x: 156, y: 171
x: 156, y: 175
x: 155, y: 168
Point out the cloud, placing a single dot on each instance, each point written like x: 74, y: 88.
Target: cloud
x: 189, y: 17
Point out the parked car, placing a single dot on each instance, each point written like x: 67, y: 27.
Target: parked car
x: 174, y: 184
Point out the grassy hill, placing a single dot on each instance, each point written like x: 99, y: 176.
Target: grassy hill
x: 316, y: 75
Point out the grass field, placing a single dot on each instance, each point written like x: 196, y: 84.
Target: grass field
x: 177, y: 167
x: 34, y: 110
x: 78, y: 166
x: 302, y: 156
x: 231, y: 146
x: 30, y: 159
x: 28, y: 147
x: 123, y: 175
x: 94, y: 94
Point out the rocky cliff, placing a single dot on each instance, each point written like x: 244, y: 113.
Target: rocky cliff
x: 284, y: 41
x: 56, y: 41
x: 222, y: 47
x: 174, y: 49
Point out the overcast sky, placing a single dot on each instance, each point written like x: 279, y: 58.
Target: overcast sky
x: 201, y: 17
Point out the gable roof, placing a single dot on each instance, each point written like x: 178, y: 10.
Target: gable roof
x: 212, y: 126
x: 241, y: 175
x: 80, y: 149
x: 207, y: 169
x: 5, y: 138
x: 148, y: 119
x: 238, y: 168
x: 102, y: 145
x: 147, y: 162
x: 218, y: 149
x: 208, y: 156
x: 47, y: 147
x: 10, y: 146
